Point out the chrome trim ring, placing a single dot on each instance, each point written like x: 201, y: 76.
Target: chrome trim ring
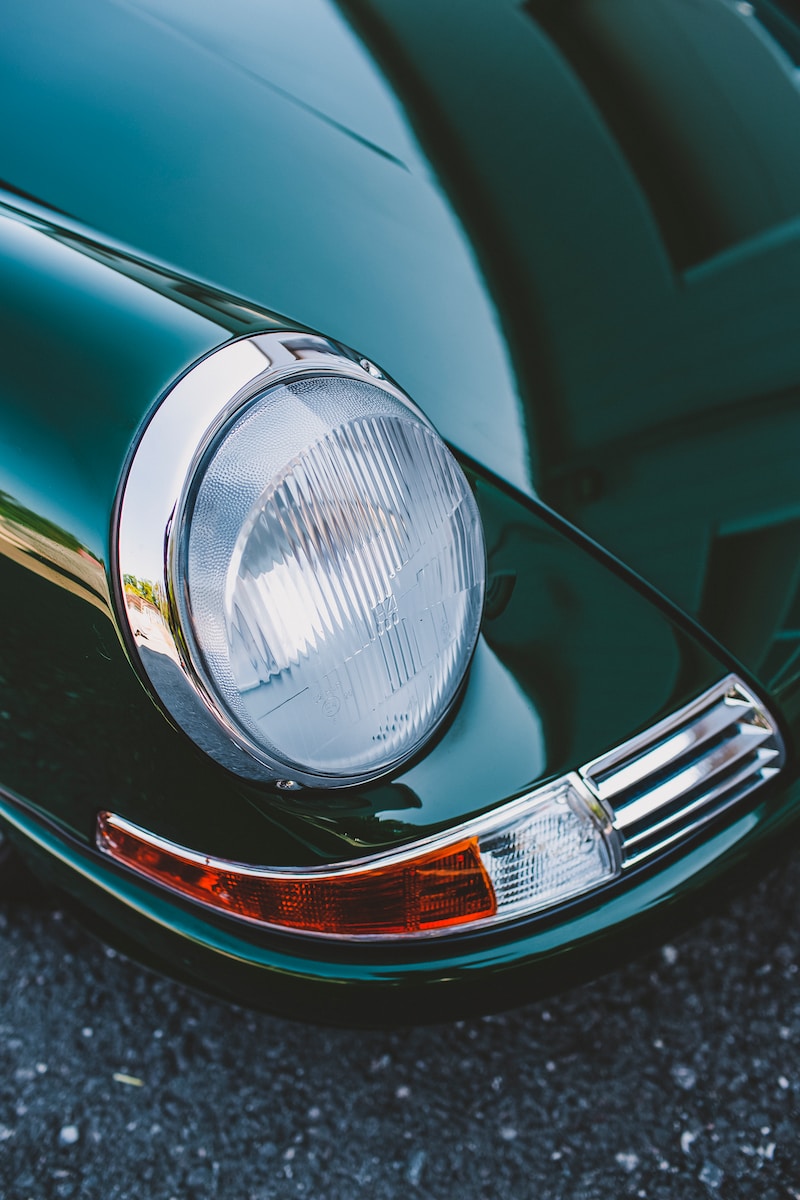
x: 180, y: 429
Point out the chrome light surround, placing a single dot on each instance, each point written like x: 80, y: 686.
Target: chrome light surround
x: 186, y: 436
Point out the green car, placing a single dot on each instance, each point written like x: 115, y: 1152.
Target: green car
x: 399, y: 488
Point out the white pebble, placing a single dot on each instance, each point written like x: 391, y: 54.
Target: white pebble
x: 685, y: 1077
x: 69, y: 1135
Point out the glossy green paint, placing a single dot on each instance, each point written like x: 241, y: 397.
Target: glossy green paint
x: 557, y: 176
x: 82, y: 348
x: 473, y: 226
x: 570, y: 653
x: 628, y: 176
x: 176, y: 135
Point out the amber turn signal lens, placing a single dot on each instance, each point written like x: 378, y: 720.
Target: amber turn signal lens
x: 441, y: 889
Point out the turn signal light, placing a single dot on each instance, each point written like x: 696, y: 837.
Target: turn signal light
x: 543, y: 848
x: 443, y: 888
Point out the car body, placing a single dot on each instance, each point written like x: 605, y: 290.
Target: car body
x: 567, y: 232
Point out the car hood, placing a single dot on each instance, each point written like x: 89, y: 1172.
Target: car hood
x: 464, y: 202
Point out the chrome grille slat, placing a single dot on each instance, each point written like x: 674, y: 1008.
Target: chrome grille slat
x: 742, y: 744
x: 638, y: 853
x: 719, y: 718
x: 672, y: 779
x: 732, y: 783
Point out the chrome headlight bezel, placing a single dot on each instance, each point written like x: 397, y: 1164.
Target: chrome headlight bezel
x: 149, y: 541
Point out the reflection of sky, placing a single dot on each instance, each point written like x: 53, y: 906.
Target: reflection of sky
x: 774, y: 25
x: 71, y: 330
x: 395, y: 222
x: 306, y: 50
x: 304, y: 36
x: 358, y: 243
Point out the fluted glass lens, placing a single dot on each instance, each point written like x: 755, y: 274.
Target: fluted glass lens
x: 334, y: 575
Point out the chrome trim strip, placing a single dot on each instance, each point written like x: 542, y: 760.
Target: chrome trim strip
x: 731, y: 790
x: 711, y: 764
x: 489, y: 822
x: 717, y: 719
x: 668, y: 781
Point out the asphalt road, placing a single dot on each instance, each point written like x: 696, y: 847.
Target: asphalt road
x: 676, y: 1077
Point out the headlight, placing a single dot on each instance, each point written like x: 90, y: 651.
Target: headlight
x: 296, y: 539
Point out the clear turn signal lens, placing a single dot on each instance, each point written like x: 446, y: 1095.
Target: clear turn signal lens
x: 535, y: 852
x: 557, y: 846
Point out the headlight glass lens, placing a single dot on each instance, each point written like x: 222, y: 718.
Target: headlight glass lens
x: 328, y: 564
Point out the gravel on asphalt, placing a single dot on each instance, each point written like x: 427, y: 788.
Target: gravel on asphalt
x: 675, y: 1077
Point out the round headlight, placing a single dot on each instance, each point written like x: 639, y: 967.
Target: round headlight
x: 322, y: 568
